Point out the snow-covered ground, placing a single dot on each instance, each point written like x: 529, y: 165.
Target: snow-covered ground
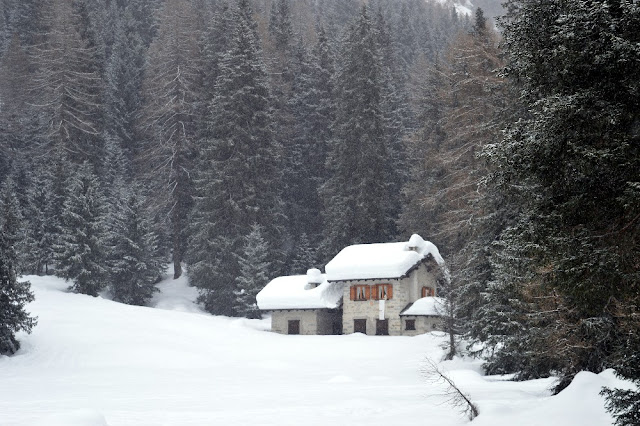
x: 91, y: 361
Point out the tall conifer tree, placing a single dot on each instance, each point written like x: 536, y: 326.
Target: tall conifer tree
x: 14, y: 295
x: 239, y: 177
x: 171, y: 93
x: 356, y: 193
x: 574, y: 162
x: 254, y: 273
x: 135, y: 266
x: 80, y: 253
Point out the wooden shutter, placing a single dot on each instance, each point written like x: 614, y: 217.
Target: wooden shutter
x: 367, y: 292
x: 353, y: 292
x: 389, y: 291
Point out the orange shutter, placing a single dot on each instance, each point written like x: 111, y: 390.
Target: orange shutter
x: 374, y: 290
x: 353, y: 292
x: 389, y: 292
x: 367, y: 292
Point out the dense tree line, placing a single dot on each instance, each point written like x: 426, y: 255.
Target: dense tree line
x: 247, y: 139
x: 138, y: 132
x: 529, y: 183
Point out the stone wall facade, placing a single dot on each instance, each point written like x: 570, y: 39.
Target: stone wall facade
x: 405, y: 291
x: 312, y: 321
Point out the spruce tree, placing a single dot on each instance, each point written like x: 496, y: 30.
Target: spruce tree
x: 280, y: 25
x: 171, y: 92
x: 135, y: 266
x: 38, y: 256
x: 123, y: 97
x: 574, y: 163
x: 304, y: 256
x: 14, y: 295
x: 13, y: 223
x: 254, y: 273
x: 239, y: 176
x: 356, y: 193
x: 68, y: 83
x: 624, y: 404
x: 80, y: 254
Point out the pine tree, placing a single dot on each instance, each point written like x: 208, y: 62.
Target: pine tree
x: 624, y: 404
x: 254, y: 273
x: 135, y: 267
x: 405, y: 37
x: 303, y: 168
x: 68, y: 84
x: 13, y: 223
x: 18, y: 121
x: 396, y: 119
x: 426, y: 84
x: 469, y: 97
x: 574, y: 163
x: 80, y: 253
x: 280, y: 26
x: 171, y: 92
x: 239, y: 175
x: 123, y: 97
x: 304, y: 256
x: 14, y: 295
x: 38, y: 256
x: 356, y: 193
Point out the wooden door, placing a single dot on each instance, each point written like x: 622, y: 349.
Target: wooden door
x: 294, y: 327
x: 382, y: 327
x: 360, y: 326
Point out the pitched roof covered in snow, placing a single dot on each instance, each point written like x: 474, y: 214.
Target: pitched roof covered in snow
x: 385, y: 260
x: 427, y: 306
x: 311, y: 291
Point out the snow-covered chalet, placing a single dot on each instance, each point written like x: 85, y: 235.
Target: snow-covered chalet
x: 375, y: 289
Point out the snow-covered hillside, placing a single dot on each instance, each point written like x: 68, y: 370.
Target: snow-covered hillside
x: 91, y: 361
x: 463, y: 7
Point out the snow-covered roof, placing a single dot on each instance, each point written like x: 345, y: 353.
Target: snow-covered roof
x: 384, y: 260
x: 432, y: 306
x: 300, y: 292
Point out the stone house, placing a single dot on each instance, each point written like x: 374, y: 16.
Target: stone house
x: 303, y: 304
x: 375, y: 289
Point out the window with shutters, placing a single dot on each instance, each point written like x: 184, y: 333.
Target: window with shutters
x: 427, y: 292
x: 360, y: 292
x: 382, y: 291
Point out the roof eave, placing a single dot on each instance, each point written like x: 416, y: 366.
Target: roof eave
x: 408, y: 272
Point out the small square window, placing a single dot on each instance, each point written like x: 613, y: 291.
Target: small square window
x: 410, y: 324
x: 427, y: 292
x: 360, y: 326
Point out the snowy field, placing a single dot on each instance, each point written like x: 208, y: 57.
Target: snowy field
x: 91, y: 361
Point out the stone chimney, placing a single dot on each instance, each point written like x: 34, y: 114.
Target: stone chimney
x: 314, y: 278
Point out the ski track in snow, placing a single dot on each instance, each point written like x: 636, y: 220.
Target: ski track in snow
x: 94, y: 362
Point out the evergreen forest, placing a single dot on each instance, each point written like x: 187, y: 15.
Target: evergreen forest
x: 241, y: 140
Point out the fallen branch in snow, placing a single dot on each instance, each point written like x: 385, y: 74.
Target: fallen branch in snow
x: 454, y: 395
